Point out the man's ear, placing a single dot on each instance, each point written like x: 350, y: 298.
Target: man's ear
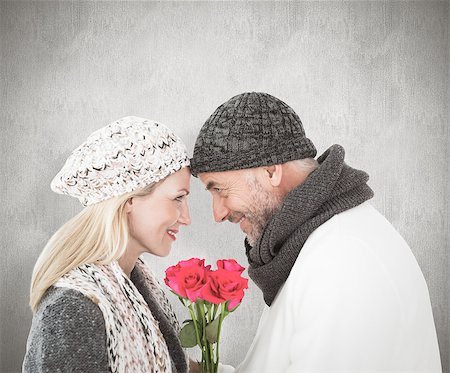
x: 274, y: 173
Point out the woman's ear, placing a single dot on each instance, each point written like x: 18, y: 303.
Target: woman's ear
x: 274, y: 174
x: 128, y: 205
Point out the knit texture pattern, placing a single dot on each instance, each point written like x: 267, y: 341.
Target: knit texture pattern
x: 68, y: 332
x: 250, y: 130
x: 67, y: 335
x: 161, y: 309
x: 134, y: 342
x: 125, y: 155
x: 332, y: 188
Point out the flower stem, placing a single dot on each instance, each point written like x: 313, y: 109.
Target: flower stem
x: 201, y: 314
x: 211, y: 353
x: 212, y: 310
x: 215, y: 311
x: 197, y: 333
x: 222, y: 316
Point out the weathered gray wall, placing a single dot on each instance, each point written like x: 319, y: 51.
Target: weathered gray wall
x: 372, y: 76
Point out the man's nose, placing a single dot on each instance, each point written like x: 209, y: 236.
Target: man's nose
x: 220, y: 211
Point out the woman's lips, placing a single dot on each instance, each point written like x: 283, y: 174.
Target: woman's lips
x: 172, y: 234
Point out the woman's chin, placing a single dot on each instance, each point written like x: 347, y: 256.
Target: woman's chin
x: 161, y: 252
x: 163, y: 255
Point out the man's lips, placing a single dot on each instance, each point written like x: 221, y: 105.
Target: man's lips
x: 238, y: 218
x: 235, y: 217
x: 242, y: 223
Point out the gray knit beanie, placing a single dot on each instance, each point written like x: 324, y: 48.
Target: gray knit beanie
x: 250, y: 130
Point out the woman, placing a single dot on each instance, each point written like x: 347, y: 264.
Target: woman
x: 96, y: 306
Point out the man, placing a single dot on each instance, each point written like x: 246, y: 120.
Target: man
x: 342, y: 288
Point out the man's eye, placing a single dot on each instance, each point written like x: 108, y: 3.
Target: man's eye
x: 180, y: 198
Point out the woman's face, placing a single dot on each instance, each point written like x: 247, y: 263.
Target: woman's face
x: 155, y: 219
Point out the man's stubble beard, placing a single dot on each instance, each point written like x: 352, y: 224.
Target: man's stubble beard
x: 264, y: 206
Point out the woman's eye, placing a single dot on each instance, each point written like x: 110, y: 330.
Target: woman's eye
x: 180, y: 198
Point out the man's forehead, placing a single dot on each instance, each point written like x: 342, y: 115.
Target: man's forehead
x: 221, y: 177
x: 213, y: 177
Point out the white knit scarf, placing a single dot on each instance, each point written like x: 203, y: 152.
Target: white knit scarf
x: 134, y: 340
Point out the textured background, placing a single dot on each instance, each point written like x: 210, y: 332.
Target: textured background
x: 372, y: 76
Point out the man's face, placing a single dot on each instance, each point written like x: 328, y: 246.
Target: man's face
x: 239, y: 197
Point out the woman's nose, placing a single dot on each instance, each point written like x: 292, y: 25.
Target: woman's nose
x: 185, y: 217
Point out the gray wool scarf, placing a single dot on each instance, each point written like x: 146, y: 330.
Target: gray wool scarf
x: 332, y: 188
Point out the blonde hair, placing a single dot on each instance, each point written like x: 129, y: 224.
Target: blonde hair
x: 98, y: 234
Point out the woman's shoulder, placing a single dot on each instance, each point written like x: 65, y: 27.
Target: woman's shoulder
x: 60, y: 302
x: 68, y: 329
x: 69, y: 314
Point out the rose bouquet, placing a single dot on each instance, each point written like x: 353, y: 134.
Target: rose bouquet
x: 210, y: 296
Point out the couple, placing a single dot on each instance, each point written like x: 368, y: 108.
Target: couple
x: 343, y: 291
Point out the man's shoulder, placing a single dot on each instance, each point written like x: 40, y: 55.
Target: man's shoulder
x: 356, y: 241
x: 361, y: 223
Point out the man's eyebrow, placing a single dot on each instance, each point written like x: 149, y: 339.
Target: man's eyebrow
x: 211, y: 185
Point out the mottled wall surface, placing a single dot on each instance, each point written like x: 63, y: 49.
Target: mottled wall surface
x: 372, y: 76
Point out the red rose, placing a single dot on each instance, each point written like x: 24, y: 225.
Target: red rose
x: 187, y: 278
x: 230, y: 265
x: 222, y: 286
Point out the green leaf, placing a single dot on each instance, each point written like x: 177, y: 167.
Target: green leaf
x: 187, y: 335
x: 212, y: 330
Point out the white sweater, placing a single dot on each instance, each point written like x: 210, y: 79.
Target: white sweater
x: 355, y: 301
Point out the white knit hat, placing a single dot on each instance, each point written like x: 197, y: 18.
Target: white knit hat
x: 126, y: 155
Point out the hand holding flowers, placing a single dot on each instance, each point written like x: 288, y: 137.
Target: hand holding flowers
x: 210, y: 296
